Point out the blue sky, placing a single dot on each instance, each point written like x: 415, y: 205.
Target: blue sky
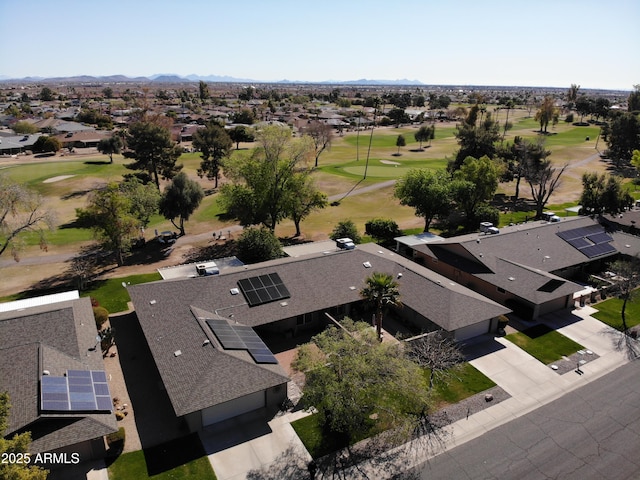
x: 544, y: 43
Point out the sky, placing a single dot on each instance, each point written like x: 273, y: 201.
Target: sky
x: 555, y: 43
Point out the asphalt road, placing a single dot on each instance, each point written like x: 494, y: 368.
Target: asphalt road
x: 590, y: 433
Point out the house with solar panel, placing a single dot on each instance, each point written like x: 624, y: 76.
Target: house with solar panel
x: 209, y: 335
x: 54, y: 375
x: 529, y: 267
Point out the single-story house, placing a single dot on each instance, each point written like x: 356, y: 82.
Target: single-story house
x: 208, y: 381
x: 14, y: 144
x: 527, y: 267
x: 55, y: 376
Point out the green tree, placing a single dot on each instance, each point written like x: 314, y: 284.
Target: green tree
x: 603, y: 193
x: 215, y: 145
x: 46, y: 144
x: 546, y: 113
x: 423, y: 134
x: 382, y: 229
x: 473, y: 186
x: 180, y: 199
x: 360, y: 386
x: 304, y: 198
x: 46, y: 94
x: 17, y: 444
x: 633, y: 102
x: 94, y: 117
x: 258, y: 245
x: 572, y: 95
x: 24, y: 128
x: 21, y: 212
x: 144, y: 198
x: 398, y: 115
x: 203, y: 90
x: 108, y: 214
x: 110, y: 146
x: 261, y: 188
x: 428, y: 191
x: 400, y: 142
x: 346, y: 229
x: 241, y: 133
x: 107, y: 92
x: 476, y: 137
x: 244, y: 116
x: 153, y: 150
x: 623, y: 138
x: 321, y: 134
x: 635, y: 159
x: 381, y: 290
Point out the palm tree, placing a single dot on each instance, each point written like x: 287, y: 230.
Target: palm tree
x: 381, y: 290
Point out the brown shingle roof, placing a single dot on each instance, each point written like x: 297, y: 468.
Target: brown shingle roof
x: 53, y: 337
x: 203, y: 375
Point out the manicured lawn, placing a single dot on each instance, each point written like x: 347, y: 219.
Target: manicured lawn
x: 112, y: 295
x: 133, y: 466
x: 609, y: 312
x: 463, y: 383
x: 544, y: 344
x: 182, y: 458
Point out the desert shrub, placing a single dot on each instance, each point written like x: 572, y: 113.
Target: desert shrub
x: 101, y: 315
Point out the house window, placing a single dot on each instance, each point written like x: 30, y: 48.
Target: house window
x: 501, y: 290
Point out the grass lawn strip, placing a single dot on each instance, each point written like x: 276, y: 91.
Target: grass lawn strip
x: 110, y: 293
x: 609, y: 312
x: 183, y: 458
x: 544, y: 343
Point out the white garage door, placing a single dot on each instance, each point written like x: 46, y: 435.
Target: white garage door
x: 471, y: 331
x: 233, y: 408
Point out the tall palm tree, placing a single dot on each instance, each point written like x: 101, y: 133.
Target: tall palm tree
x: 381, y: 290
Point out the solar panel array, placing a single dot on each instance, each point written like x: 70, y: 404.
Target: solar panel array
x: 78, y: 391
x: 591, y: 241
x: 263, y: 289
x: 241, y: 337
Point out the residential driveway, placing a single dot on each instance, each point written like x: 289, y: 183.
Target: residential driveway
x: 248, y: 447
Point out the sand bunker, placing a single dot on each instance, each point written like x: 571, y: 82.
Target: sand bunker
x: 389, y: 162
x: 57, y: 179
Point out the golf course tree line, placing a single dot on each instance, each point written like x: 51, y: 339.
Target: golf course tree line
x: 456, y: 200
x: 119, y: 212
x: 273, y: 182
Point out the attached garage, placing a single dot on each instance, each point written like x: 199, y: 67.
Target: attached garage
x: 471, y: 331
x: 238, y: 406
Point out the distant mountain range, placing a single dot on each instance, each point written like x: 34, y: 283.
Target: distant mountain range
x: 173, y: 78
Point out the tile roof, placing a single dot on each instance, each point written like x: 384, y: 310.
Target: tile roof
x: 54, y: 337
x: 204, y: 374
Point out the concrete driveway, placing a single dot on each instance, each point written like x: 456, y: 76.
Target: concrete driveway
x: 249, y: 447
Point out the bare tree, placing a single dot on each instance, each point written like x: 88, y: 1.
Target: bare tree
x: 322, y: 135
x: 626, y: 285
x: 436, y: 351
x: 21, y: 211
x: 543, y: 179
